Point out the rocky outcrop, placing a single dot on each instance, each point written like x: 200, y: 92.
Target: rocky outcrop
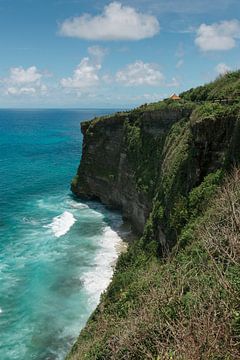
x: 131, y: 160
x: 107, y: 171
x: 212, y: 140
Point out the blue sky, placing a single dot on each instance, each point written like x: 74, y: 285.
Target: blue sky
x: 86, y: 53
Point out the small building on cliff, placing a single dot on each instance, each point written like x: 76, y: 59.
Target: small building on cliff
x: 174, y: 97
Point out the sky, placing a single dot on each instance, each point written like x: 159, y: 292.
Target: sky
x: 112, y: 54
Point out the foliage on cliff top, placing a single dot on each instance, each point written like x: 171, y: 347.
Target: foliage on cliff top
x: 214, y: 111
x: 185, y: 306
x: 102, y: 119
x: 167, y: 104
x: 224, y: 87
x: 163, y: 105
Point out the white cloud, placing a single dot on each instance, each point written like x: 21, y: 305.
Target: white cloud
x: 117, y: 22
x: 218, y: 36
x: 24, y: 81
x: 19, y: 75
x: 222, y: 68
x: 140, y: 73
x: 84, y: 76
x: 107, y: 78
x: 19, y: 91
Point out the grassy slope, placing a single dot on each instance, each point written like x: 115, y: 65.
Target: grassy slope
x: 183, y: 307
x: 184, y: 304
x: 224, y: 87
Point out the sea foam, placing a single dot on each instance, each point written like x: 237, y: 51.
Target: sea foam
x: 62, y: 224
x: 77, y: 205
x: 97, y: 280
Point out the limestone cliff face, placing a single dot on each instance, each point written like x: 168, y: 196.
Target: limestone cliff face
x: 107, y: 171
x: 147, y: 160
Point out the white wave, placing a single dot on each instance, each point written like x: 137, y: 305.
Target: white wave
x: 77, y: 205
x: 97, y: 280
x: 1, y: 311
x: 62, y: 224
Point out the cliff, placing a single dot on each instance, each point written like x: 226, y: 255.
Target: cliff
x: 166, y: 166
x: 110, y: 169
x: 130, y: 159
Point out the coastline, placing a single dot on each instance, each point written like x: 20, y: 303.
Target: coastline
x: 127, y: 236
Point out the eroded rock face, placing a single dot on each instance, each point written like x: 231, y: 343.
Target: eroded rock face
x: 212, y: 138
x: 131, y: 161
x: 106, y: 171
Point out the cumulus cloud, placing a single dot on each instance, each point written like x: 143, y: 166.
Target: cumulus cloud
x: 222, y: 68
x: 19, y: 75
x: 218, y: 36
x: 24, y: 81
x: 140, y: 73
x: 84, y: 76
x: 117, y: 22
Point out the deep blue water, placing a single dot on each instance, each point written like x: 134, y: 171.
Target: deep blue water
x: 56, y: 253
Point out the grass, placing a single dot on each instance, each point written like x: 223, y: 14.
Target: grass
x: 176, y: 293
x: 224, y: 87
x: 186, y: 306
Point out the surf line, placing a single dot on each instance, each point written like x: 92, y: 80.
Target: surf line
x: 61, y: 224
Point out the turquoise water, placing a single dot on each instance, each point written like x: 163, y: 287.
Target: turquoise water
x: 56, y: 252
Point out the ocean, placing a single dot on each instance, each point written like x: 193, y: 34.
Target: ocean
x: 56, y: 252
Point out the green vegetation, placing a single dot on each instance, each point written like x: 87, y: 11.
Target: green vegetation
x: 176, y: 292
x: 139, y: 145
x: 185, y: 306
x: 225, y: 87
x: 166, y: 104
x: 214, y: 111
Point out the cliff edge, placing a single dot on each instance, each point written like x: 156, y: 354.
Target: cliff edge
x: 120, y: 160
x: 171, y: 168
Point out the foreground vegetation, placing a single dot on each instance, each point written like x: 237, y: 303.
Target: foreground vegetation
x: 185, y: 306
x: 176, y: 292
